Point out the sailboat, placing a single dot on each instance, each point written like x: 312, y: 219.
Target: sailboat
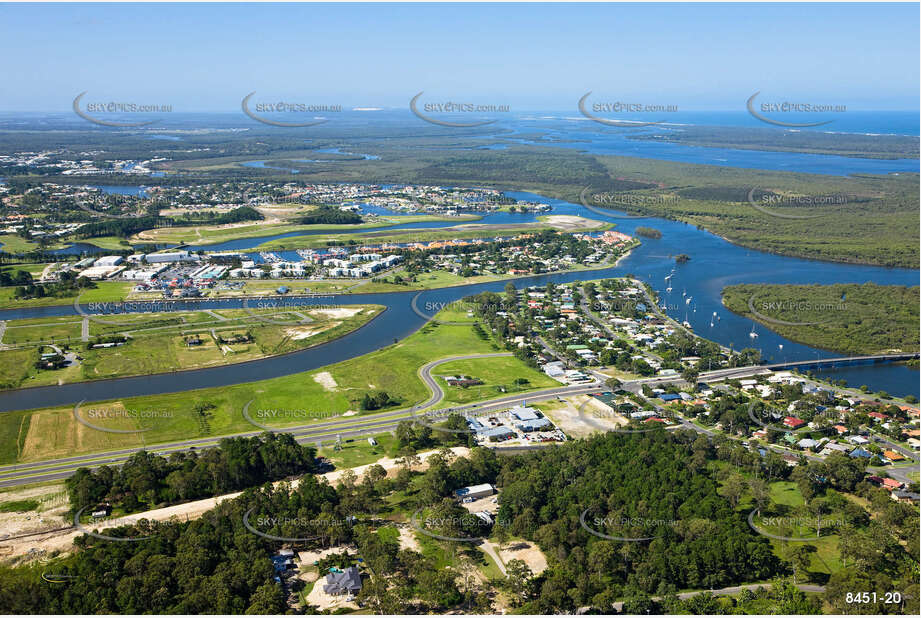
x: 753, y: 334
x: 669, y: 289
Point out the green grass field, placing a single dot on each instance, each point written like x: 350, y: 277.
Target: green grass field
x: 428, y: 234
x: 359, y: 451
x: 496, y: 373
x: 316, y: 396
x: 157, y: 341
x: 105, y: 291
x: 213, y: 234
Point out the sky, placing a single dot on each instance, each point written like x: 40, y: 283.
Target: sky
x: 206, y: 57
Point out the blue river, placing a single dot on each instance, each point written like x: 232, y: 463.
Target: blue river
x: 714, y: 263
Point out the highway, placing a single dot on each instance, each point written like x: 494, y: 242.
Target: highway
x: 380, y: 422
x: 368, y: 424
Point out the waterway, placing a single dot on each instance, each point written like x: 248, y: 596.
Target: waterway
x: 715, y: 263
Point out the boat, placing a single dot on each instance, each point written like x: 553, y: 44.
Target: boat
x: 753, y: 334
x: 669, y: 289
x: 687, y: 325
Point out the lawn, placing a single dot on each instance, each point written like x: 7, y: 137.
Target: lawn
x: 425, y: 234
x: 213, y: 234
x: 105, y: 291
x: 359, y: 451
x: 320, y: 395
x: 497, y: 374
x: 157, y: 341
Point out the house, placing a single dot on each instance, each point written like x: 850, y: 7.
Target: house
x: 806, y: 443
x: 474, y: 492
x: 891, y: 484
x: 862, y: 453
x: 792, y: 422
x: 901, y: 495
x: 834, y: 447
x: 343, y: 582
x: 667, y: 397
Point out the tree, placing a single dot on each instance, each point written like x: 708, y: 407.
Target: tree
x: 268, y: 599
x: 733, y: 489
x: 800, y: 558
x: 518, y: 581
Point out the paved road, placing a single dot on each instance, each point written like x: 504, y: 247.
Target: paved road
x: 60, y: 468
x: 55, y: 469
x: 619, y: 605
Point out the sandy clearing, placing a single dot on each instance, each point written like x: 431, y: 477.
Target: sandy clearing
x: 63, y: 540
x: 566, y: 222
x: 307, y: 558
x: 326, y: 379
x: 302, y: 333
x: 327, y: 601
x: 527, y: 552
x: 567, y: 418
x: 343, y: 312
x: 408, y: 540
x: 389, y: 464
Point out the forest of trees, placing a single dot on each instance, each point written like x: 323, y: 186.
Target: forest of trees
x: 147, y: 480
x: 123, y: 228
x: 682, y: 490
x: 331, y: 214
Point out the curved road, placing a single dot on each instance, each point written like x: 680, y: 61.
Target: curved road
x: 55, y: 469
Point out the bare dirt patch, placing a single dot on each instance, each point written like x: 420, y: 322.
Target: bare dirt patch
x: 566, y: 416
x: 342, y: 312
x: 526, y: 551
x: 302, y: 333
x: 326, y: 380
x: 571, y: 222
x: 327, y: 601
x: 63, y: 540
x: 408, y: 540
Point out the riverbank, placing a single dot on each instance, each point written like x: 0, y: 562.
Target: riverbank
x: 168, y: 342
